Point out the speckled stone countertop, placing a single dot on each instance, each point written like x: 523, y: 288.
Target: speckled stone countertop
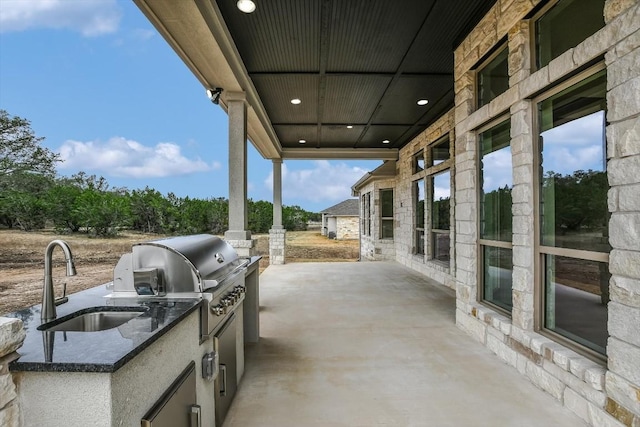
x: 101, y: 351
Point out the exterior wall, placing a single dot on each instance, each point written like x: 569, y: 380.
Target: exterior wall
x: 347, y: 227
x: 404, y: 209
x: 277, y: 246
x: 11, y: 337
x: 600, y: 396
x: 373, y: 248
x: 332, y: 225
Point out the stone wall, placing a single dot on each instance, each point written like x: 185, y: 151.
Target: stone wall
x: 277, y: 246
x: 347, y: 227
x: 11, y: 337
x: 599, y: 396
x: 622, y: 381
x: 405, y: 210
x: 373, y: 248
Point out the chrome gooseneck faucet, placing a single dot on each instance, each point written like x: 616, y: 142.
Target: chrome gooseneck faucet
x: 48, y: 300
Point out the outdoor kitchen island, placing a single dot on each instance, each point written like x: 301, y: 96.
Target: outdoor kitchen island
x: 161, y: 365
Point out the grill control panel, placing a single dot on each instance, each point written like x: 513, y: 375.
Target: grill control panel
x: 229, y: 300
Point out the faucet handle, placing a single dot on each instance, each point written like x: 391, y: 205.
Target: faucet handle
x: 64, y: 297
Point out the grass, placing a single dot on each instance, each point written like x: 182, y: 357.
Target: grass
x: 22, y: 260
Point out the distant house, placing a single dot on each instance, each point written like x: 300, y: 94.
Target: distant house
x: 341, y: 221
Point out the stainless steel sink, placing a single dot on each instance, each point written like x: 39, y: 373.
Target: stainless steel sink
x: 92, y: 320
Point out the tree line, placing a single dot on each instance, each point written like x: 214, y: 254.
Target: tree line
x: 32, y: 197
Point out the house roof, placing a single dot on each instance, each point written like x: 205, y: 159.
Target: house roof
x: 385, y: 171
x: 358, y: 66
x: 349, y: 207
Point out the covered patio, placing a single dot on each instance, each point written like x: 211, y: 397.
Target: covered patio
x: 364, y: 344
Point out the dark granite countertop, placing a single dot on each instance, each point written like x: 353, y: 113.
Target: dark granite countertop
x: 102, y: 351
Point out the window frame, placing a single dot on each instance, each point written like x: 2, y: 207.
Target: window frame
x: 481, y: 243
x: 533, y: 38
x: 540, y: 251
x: 430, y: 172
x: 366, y: 214
x: 415, y: 193
x: 382, y: 218
x: 497, y: 50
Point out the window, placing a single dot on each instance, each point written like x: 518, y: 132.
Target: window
x: 573, y: 213
x: 565, y: 25
x: 418, y: 192
x: 493, y: 77
x: 439, y: 151
x: 496, y: 183
x: 386, y: 213
x: 418, y: 162
x: 366, y: 214
x: 440, y: 219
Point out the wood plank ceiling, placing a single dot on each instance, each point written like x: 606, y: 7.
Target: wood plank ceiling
x: 358, y: 66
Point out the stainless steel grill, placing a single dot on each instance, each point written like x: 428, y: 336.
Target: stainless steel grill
x: 199, y: 266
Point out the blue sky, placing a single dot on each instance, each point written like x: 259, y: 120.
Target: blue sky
x: 108, y: 93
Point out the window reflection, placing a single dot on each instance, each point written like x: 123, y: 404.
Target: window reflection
x: 576, y: 295
x: 440, y: 219
x: 419, y: 216
x: 573, y: 160
x: 497, y: 182
x: 497, y: 269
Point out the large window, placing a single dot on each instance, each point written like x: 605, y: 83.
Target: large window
x: 565, y: 25
x: 493, y: 77
x: 440, y: 217
x: 419, y: 192
x: 386, y: 213
x: 573, y: 214
x: 496, y: 183
x: 439, y: 151
x: 366, y: 214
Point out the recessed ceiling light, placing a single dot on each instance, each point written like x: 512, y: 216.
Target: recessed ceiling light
x: 246, y: 6
x: 295, y: 101
x: 302, y: 141
x: 423, y: 102
x: 386, y: 141
x: 349, y: 126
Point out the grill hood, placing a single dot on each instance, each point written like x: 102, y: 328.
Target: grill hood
x: 182, y: 264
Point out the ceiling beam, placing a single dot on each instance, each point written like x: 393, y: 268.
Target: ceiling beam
x: 340, y: 153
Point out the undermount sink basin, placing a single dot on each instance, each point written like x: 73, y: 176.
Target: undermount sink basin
x: 92, y: 320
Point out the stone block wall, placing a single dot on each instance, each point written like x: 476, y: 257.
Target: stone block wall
x: 373, y: 248
x: 11, y: 337
x: 347, y: 227
x: 277, y: 246
x: 600, y: 395
x: 622, y: 381
x: 404, y: 236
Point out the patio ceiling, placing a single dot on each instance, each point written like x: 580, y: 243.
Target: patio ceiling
x: 358, y: 66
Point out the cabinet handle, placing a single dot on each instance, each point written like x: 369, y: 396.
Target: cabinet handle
x: 194, y: 416
x: 223, y: 383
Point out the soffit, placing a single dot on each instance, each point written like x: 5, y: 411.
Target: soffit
x: 359, y: 63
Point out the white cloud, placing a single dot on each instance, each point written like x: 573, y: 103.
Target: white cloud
x: 496, y: 170
x: 89, y: 17
x: 121, y: 157
x: 578, y: 144
x: 325, y: 182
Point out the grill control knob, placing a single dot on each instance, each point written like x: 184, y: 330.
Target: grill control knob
x: 218, y: 310
x: 240, y: 289
x: 227, y: 302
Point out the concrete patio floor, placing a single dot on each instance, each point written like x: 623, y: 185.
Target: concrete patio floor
x: 375, y: 344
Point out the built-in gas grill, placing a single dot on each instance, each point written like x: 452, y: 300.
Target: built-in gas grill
x: 184, y: 267
x: 199, y: 266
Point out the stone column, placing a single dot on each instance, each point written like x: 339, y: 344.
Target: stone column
x: 622, y: 381
x: 277, y: 234
x: 11, y: 337
x: 238, y: 236
x: 277, y: 193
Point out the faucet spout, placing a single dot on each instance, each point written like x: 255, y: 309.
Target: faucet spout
x: 48, y: 300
